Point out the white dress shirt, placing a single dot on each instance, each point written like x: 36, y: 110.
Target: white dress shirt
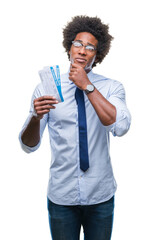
x: 68, y: 184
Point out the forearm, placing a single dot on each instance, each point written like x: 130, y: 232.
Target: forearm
x: 42, y: 105
x: 31, y: 134
x: 104, y: 109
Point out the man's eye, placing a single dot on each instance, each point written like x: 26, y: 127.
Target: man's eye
x: 91, y: 48
x: 77, y: 44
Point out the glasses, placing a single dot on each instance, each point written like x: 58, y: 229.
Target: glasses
x: 78, y: 44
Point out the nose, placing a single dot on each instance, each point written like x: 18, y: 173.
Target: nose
x: 82, y: 50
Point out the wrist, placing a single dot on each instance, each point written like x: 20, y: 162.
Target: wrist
x: 36, y: 118
x: 85, y: 85
x: 89, y: 88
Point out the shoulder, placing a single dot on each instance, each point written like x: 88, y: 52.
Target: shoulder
x: 98, y: 77
x: 112, y: 83
x: 112, y: 86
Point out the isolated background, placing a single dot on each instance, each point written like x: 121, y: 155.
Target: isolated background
x: 31, y: 37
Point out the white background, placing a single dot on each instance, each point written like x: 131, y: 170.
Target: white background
x: 31, y: 37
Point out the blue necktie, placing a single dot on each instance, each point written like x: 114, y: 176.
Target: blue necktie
x: 83, y: 144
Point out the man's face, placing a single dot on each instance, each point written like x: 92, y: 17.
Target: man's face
x: 81, y: 56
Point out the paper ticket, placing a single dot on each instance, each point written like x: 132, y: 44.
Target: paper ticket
x: 50, y: 78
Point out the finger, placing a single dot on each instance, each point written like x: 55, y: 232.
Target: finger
x: 43, y: 107
x: 45, y: 98
x: 49, y: 97
x: 45, y: 102
x: 72, y: 70
x: 74, y: 65
x: 71, y: 73
x: 71, y: 77
x: 41, y: 111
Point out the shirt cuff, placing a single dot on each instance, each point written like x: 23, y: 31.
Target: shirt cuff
x: 111, y: 128
x: 122, y: 124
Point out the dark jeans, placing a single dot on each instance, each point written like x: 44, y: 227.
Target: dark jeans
x: 97, y: 220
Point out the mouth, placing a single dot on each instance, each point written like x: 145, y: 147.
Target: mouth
x: 81, y: 60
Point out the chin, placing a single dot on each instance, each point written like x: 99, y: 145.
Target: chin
x: 80, y: 64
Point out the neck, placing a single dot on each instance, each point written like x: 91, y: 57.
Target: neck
x: 87, y: 70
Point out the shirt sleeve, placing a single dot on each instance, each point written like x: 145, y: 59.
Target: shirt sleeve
x: 37, y: 93
x: 123, y: 118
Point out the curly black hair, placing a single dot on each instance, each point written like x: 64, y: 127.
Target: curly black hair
x: 92, y: 25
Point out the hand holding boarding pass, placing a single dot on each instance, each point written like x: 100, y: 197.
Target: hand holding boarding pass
x: 50, y: 77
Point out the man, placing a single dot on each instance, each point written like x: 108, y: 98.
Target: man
x: 81, y: 186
